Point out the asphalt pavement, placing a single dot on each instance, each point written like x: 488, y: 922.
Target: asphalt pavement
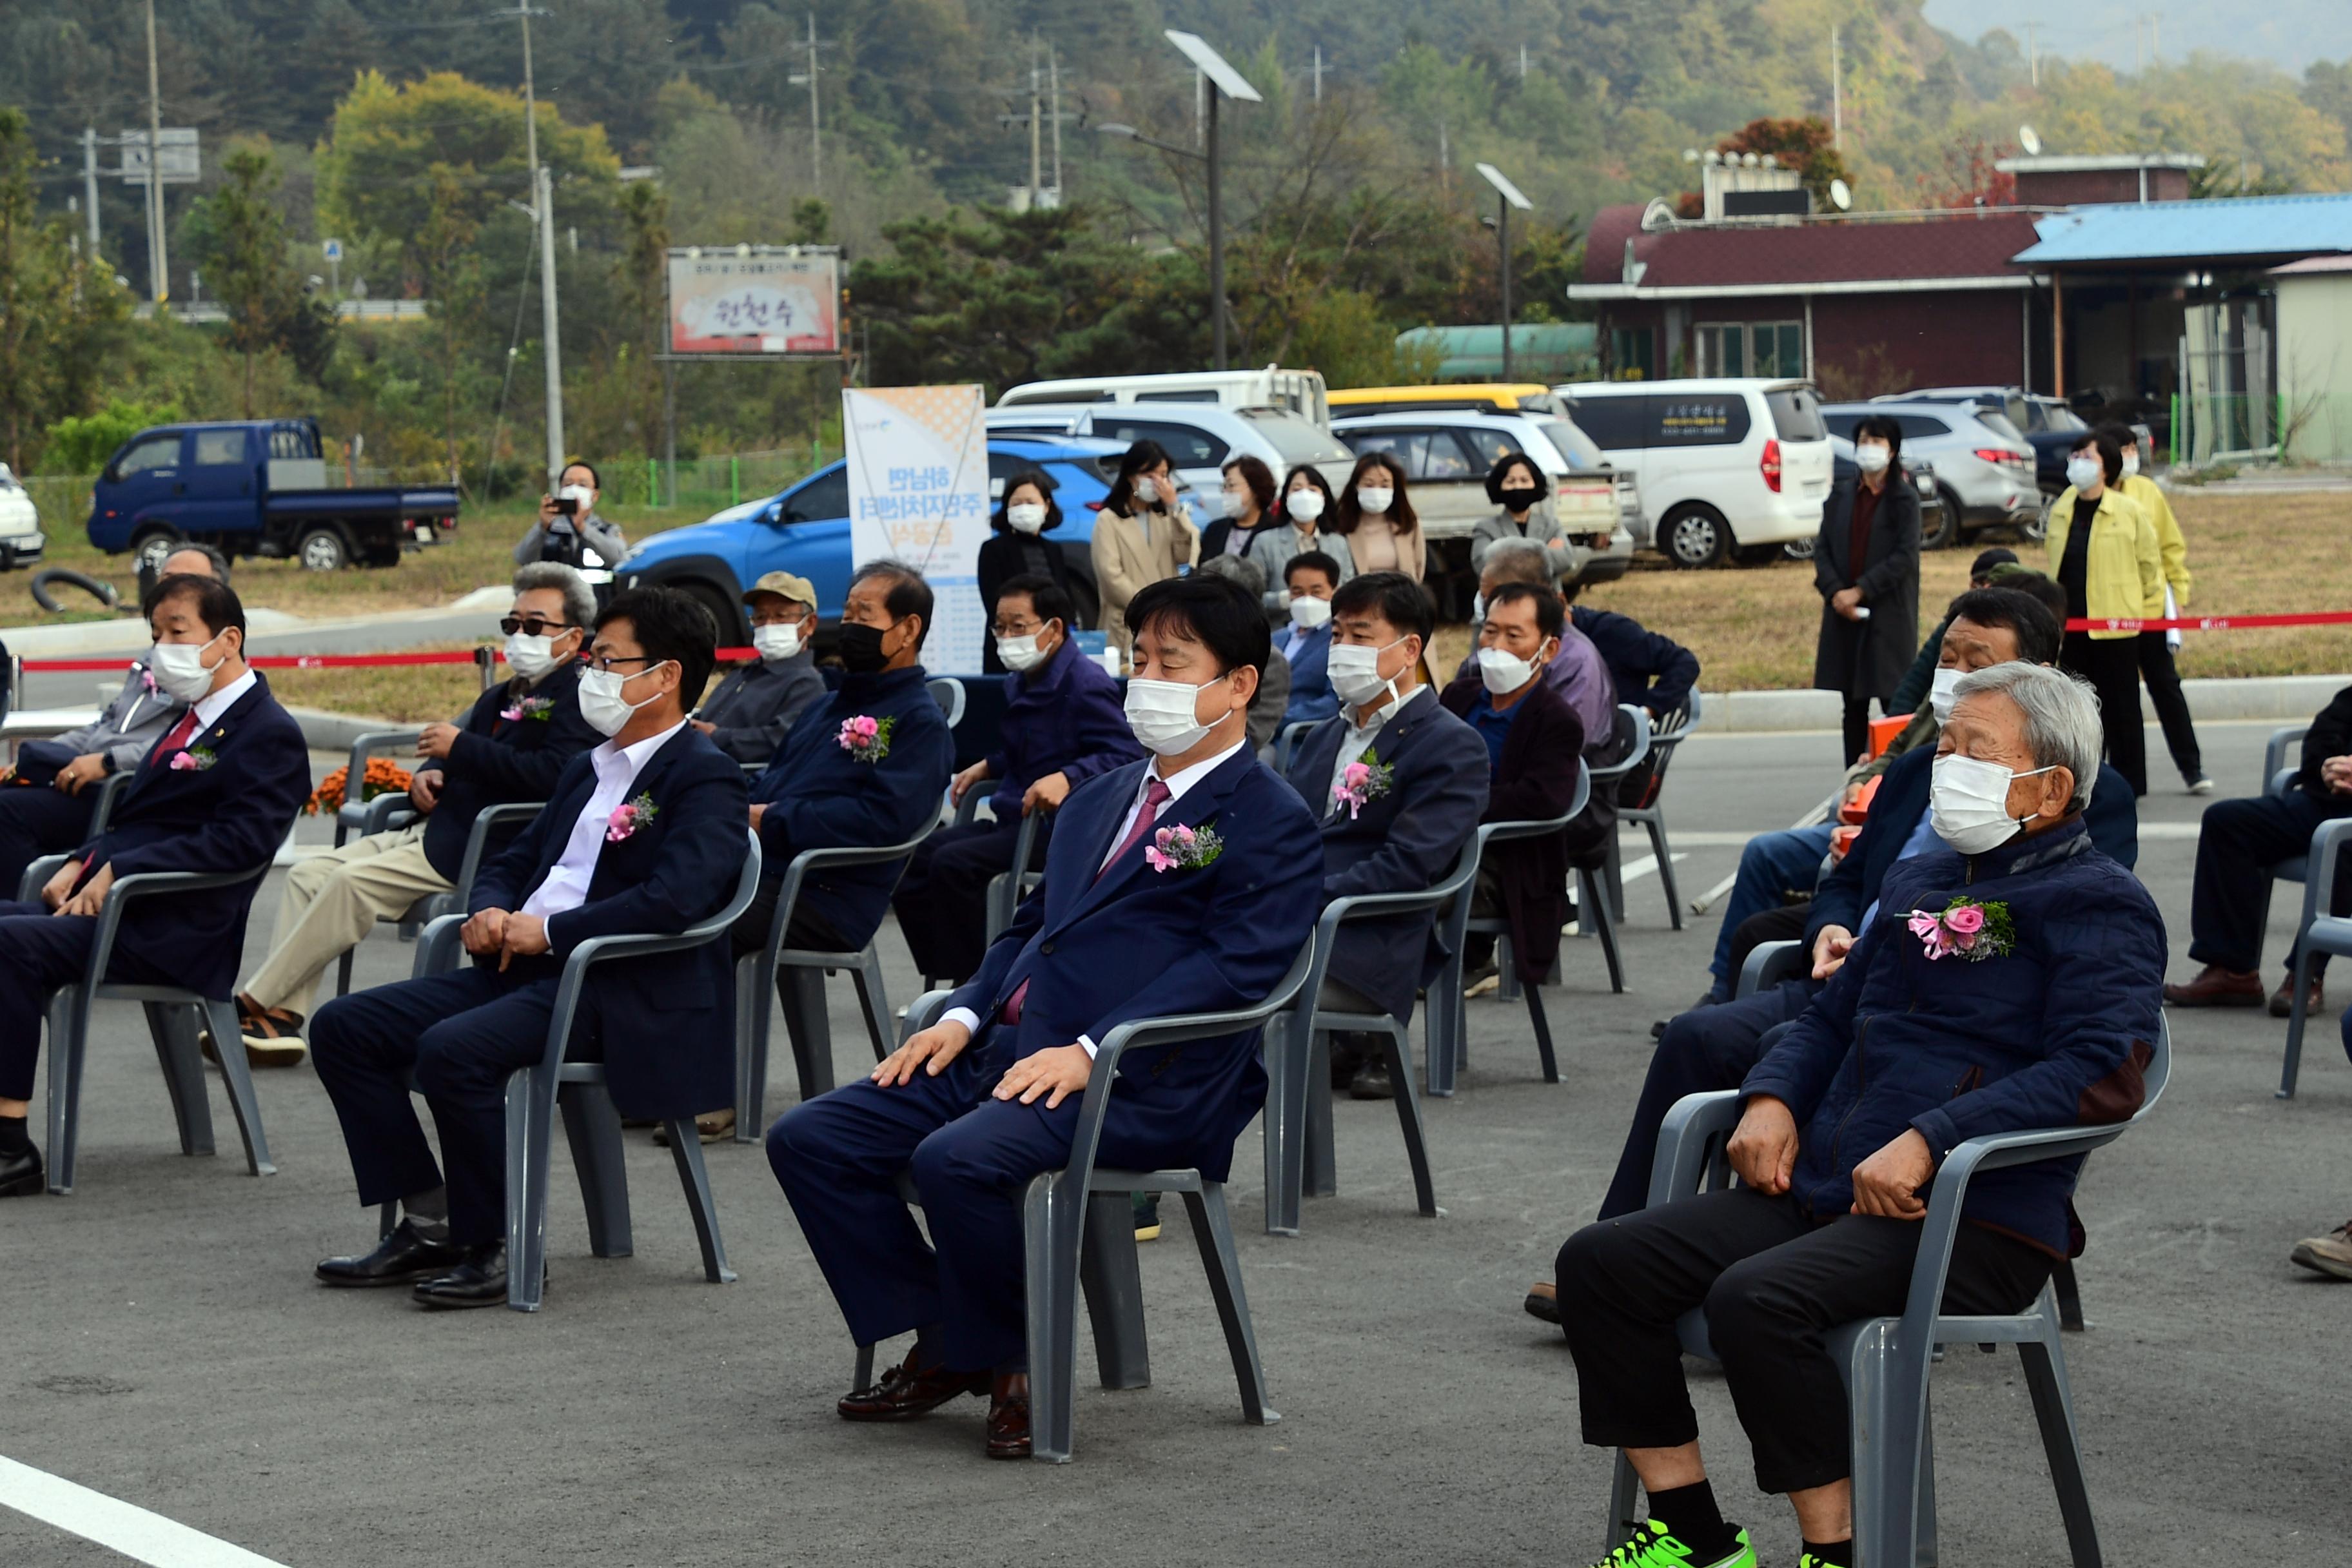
x: 172, y: 1351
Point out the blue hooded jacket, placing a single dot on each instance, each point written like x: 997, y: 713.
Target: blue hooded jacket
x: 2056, y: 1032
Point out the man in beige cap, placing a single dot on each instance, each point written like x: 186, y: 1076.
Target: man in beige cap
x: 747, y: 717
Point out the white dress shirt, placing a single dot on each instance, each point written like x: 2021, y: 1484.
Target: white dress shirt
x: 1357, y: 740
x: 216, y: 703
x: 566, y: 887
x: 1177, y: 784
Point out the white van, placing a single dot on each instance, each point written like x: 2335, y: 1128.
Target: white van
x: 1729, y: 466
x: 1301, y: 391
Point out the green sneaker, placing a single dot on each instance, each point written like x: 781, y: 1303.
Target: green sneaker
x: 1807, y: 1560
x: 1653, y: 1546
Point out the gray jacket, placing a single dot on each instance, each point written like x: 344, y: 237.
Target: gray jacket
x: 604, y: 538
x: 1273, y: 549
x: 132, y: 724
x: 758, y: 702
x: 1543, y: 527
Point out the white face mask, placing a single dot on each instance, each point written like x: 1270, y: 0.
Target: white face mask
x: 777, y: 642
x: 1233, y: 503
x: 530, y: 657
x: 1305, y: 506
x: 1968, y: 802
x: 1374, y: 501
x: 1026, y: 516
x: 1306, y: 612
x: 1504, y: 672
x: 1164, y: 715
x: 2131, y: 464
x: 1146, y: 488
x: 581, y: 496
x: 1022, y: 653
x: 1944, y: 693
x: 2084, y: 472
x: 1870, y: 457
x: 600, y: 702
x: 180, y: 669
x: 1355, y: 672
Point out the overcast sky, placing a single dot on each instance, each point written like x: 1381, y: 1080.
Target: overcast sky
x: 2288, y: 33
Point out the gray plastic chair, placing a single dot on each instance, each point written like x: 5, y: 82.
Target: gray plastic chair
x: 363, y: 817
x: 1449, y: 1045
x: 1772, y: 963
x: 590, y: 1125
x: 1635, y: 721
x: 950, y: 694
x: 798, y: 975
x: 432, y: 906
x: 1006, y: 889
x: 2317, y: 932
x: 2280, y: 765
x: 1652, y: 815
x: 1298, y: 1154
x: 1885, y: 1361
x: 1079, y: 1229
x: 168, y: 1020
x: 1285, y: 743
x: 38, y: 872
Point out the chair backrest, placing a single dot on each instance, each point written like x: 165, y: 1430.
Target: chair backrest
x: 1669, y: 733
x: 2279, y: 755
x: 1634, y: 724
x: 949, y: 693
x: 1287, y: 742
x: 109, y: 792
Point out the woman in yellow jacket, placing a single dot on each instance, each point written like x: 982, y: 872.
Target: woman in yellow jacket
x: 2103, y: 552
x: 1142, y: 535
x: 2156, y: 648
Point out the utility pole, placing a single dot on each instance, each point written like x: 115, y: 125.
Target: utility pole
x: 158, y: 273
x: 1523, y: 62
x: 1318, y: 73
x: 1200, y: 114
x: 1837, y: 92
x: 2156, y: 37
x: 2137, y: 56
x: 1053, y: 87
x: 1036, y: 131
x: 816, y: 130
x: 89, y: 185
x: 2033, y: 53
x: 542, y: 203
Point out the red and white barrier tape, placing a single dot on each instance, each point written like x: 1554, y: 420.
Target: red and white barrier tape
x: 314, y: 661
x: 2212, y: 622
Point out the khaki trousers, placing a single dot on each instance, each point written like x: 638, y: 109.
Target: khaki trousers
x: 329, y: 904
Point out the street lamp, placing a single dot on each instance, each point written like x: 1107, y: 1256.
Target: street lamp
x: 1511, y: 199
x: 1224, y: 82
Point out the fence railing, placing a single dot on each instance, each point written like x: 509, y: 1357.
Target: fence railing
x: 713, y: 481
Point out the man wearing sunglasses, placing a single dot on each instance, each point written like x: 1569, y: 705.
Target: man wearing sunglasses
x: 510, y: 747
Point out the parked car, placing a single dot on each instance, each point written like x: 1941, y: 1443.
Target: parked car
x: 1301, y: 391
x: 805, y: 528
x: 1200, y: 439
x: 2046, y: 424
x: 21, y: 539
x: 1446, y: 456
x: 1728, y: 466
x: 254, y: 486
x: 1476, y: 397
x: 1984, y: 469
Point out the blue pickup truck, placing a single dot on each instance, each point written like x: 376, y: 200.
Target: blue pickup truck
x: 806, y: 530
x: 254, y: 486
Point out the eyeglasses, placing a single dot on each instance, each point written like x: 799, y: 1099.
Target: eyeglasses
x: 532, y: 626
x: 1017, y: 628
x: 607, y: 660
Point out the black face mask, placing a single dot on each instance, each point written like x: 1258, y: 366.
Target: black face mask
x: 1519, y: 498
x: 861, y: 649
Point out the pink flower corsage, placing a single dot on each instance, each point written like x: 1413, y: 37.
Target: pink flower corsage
x: 628, y: 818
x: 1180, y: 848
x: 1965, y: 930
x: 1363, y: 783
x: 528, y: 707
x: 194, y: 760
x: 866, y: 738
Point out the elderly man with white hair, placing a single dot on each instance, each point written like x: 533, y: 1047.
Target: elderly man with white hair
x: 2009, y: 980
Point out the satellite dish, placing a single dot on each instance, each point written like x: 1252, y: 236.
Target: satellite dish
x: 1841, y: 195
x: 2029, y: 140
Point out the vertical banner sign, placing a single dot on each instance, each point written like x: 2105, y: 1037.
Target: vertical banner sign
x: 918, y: 493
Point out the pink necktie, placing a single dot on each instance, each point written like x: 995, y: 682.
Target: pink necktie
x: 1155, y: 795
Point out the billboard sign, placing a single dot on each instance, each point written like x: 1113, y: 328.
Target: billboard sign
x: 754, y: 302
x: 183, y: 159
x: 918, y: 493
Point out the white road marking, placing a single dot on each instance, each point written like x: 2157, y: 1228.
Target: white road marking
x: 139, y: 1535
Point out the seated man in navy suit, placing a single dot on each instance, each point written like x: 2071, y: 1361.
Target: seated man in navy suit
x: 1187, y: 884
x: 510, y: 748
x: 1063, y: 725
x: 642, y: 836
x: 1398, y: 784
x: 215, y: 794
x: 1311, y: 577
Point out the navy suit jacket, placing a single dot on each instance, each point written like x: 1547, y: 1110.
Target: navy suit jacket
x: 666, y: 1020
x: 1401, y: 842
x: 230, y: 815
x: 496, y: 760
x: 1065, y: 717
x: 1851, y: 885
x: 1312, y: 698
x: 1097, y: 952
x: 1649, y: 670
x: 819, y: 796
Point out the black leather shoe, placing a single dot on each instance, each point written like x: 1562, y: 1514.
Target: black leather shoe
x: 1372, y: 1080
x: 480, y: 1282
x: 401, y: 1258
x: 21, y: 1175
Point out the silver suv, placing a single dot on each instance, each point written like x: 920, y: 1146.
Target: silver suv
x: 1984, y: 468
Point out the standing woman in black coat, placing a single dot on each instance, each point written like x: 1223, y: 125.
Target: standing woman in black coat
x: 1018, y: 548
x: 1867, y: 566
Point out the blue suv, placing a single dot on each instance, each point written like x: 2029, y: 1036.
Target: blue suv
x: 805, y: 531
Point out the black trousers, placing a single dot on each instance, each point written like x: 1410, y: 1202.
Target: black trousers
x: 40, y: 951
x: 2238, y: 838
x: 35, y: 820
x: 2112, y: 667
x: 748, y: 934
x: 2154, y: 656
x: 1774, y: 1284
x: 942, y: 900
x: 1856, y: 727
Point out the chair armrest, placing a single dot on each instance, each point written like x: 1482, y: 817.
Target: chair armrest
x: 367, y: 745
x: 37, y: 876
x: 1683, y: 1137
x: 477, y: 837
x: 2319, y: 876
x: 1769, y: 963
x: 384, y: 812
x: 968, y: 807
x: 2276, y: 750
x: 109, y: 792
x: 437, y: 946
x: 2284, y: 780
x: 788, y: 895
x: 1640, y: 718
x: 146, y: 884
x: 925, y: 1011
